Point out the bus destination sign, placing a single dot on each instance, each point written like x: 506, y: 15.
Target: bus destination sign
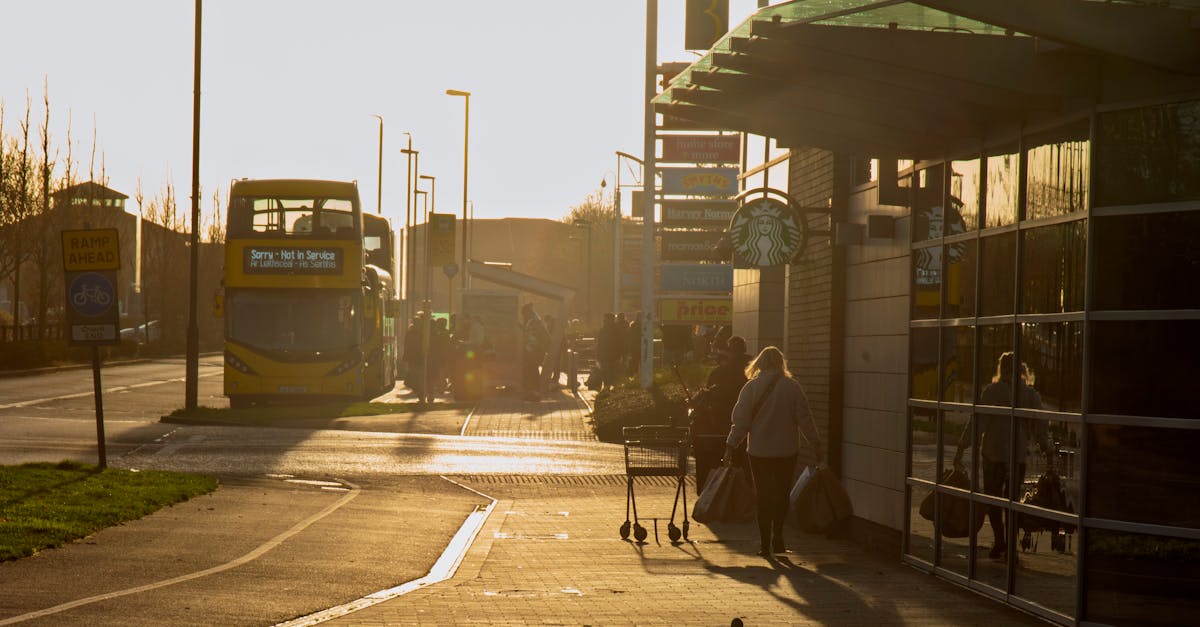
x: 291, y: 260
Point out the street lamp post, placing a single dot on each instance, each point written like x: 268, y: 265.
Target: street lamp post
x: 428, y: 301
x: 410, y: 224
x: 379, y: 174
x: 616, y: 296
x: 466, y: 95
x: 402, y: 278
x: 587, y: 267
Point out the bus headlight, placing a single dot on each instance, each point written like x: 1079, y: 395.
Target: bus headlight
x: 237, y: 364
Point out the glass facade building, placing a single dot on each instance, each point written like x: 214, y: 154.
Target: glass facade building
x: 1054, y: 329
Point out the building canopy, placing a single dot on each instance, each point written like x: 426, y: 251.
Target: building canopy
x: 923, y: 78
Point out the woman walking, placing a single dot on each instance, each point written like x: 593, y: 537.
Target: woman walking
x: 773, y: 414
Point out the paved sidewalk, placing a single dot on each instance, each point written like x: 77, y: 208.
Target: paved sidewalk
x: 550, y: 553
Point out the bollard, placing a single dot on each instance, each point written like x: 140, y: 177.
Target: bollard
x: 572, y: 374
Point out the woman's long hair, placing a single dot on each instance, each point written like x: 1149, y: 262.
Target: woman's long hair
x: 769, y: 357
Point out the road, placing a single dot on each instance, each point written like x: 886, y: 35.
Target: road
x: 303, y: 474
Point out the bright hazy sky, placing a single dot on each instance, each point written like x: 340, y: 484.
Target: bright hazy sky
x: 289, y: 87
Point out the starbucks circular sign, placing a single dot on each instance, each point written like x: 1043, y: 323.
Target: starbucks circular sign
x: 765, y: 232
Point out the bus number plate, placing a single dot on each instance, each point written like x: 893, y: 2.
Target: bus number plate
x: 293, y: 389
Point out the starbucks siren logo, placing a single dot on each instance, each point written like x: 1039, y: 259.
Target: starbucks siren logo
x: 765, y: 232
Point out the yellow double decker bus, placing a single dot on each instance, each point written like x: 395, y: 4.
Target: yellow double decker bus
x: 309, y: 298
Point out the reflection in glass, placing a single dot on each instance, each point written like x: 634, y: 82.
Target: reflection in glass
x: 929, y: 219
x: 960, y: 279
x: 1148, y: 155
x: 1123, y: 486
x: 955, y: 551
x: 997, y: 285
x: 1046, y: 574
x: 920, y: 532
x: 1053, y: 354
x: 991, y: 566
x: 954, y: 431
x: 1056, y: 172
x: 926, y: 282
x: 1052, y: 268
x: 1145, y: 368
x: 1149, y: 261
x: 964, y: 192
x: 1002, y: 185
x: 958, y: 364
x: 923, y: 426
x: 1138, y: 579
x: 923, y: 355
x: 994, y: 341
x: 1048, y: 459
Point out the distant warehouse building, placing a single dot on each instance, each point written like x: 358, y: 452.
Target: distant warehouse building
x: 1013, y: 194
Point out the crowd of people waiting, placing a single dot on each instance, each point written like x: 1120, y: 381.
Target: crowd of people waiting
x: 454, y: 346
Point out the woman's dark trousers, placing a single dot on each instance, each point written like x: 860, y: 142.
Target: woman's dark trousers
x: 772, y: 483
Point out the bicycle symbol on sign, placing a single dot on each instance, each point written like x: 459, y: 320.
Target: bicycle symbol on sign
x: 91, y: 294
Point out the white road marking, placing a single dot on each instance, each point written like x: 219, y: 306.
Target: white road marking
x: 443, y: 569
x: 249, y: 557
x: 122, y: 388
x: 174, y: 447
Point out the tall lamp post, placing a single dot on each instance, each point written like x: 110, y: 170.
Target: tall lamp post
x: 428, y: 305
x: 587, y: 267
x: 379, y: 173
x: 466, y: 95
x: 617, y: 229
x: 410, y: 224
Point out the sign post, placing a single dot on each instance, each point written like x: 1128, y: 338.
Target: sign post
x: 91, y: 258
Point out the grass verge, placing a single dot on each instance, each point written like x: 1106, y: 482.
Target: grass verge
x: 279, y: 414
x: 47, y: 505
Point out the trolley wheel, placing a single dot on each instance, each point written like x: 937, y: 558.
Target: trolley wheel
x: 686, y: 526
x: 639, y: 533
x: 625, y: 530
x: 673, y: 533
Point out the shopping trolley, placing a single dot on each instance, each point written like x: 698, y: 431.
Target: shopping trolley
x: 656, y: 451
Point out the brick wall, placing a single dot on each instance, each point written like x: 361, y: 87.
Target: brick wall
x: 810, y: 286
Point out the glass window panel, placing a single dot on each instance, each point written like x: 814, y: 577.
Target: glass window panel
x: 929, y: 217
x: 997, y: 285
x: 923, y: 354
x: 1047, y: 574
x: 1148, y: 155
x: 1138, y: 579
x: 926, y: 282
x: 1149, y: 261
x: 923, y: 426
x: 960, y: 279
x: 994, y: 341
x: 920, y: 530
x: 955, y: 550
x: 964, y: 194
x: 1123, y: 486
x: 1145, y: 368
x: 991, y: 566
x: 955, y: 425
x: 1053, y: 357
x: 1057, y: 165
x: 1048, y: 460
x: 958, y: 364
x: 1000, y: 207
x: 1052, y: 266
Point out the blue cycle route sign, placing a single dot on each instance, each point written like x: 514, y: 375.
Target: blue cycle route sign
x: 91, y: 294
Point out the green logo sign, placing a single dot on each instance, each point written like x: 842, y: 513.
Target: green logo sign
x: 765, y: 232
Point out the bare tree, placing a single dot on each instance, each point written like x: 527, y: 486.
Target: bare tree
x: 213, y: 224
